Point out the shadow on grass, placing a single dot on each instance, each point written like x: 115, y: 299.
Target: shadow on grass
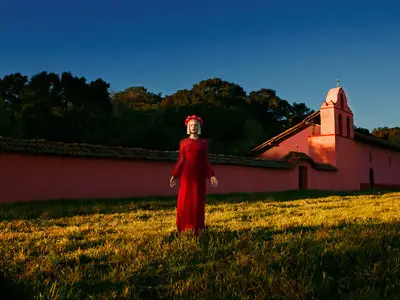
x: 293, y: 195
x: 347, y: 261
x: 11, y: 290
x: 53, y: 209
x: 351, y: 261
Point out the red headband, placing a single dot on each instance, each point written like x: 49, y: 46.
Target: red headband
x: 193, y: 117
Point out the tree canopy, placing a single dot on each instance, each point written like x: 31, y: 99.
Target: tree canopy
x: 68, y: 108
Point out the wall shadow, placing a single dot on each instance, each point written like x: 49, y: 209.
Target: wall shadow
x: 310, y: 270
x: 55, y: 209
x: 322, y: 153
x: 15, y: 291
x: 355, y: 261
x: 61, y: 208
x: 294, y: 195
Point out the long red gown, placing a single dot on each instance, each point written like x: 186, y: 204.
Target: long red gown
x: 192, y: 168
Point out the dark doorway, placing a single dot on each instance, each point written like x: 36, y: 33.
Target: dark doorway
x: 302, y: 177
x: 371, y: 178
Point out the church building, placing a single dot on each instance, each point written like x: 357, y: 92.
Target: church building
x: 320, y: 153
x: 327, y: 137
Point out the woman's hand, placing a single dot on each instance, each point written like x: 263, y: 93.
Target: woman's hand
x: 214, y: 181
x: 172, y: 181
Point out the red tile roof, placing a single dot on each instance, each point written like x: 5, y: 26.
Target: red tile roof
x: 42, y: 147
x: 308, y: 121
x: 371, y: 140
x: 294, y: 157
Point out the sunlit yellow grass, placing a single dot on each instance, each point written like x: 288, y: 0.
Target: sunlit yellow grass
x: 283, y: 245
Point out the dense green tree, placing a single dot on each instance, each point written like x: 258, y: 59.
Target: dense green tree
x: 12, y: 88
x: 213, y: 92
x: 71, y: 109
x: 9, y: 126
x: 386, y: 133
x: 136, y: 97
x: 272, y: 107
x: 361, y: 130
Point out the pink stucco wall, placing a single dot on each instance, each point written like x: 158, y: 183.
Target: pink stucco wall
x: 321, y: 180
x: 322, y: 149
x: 297, y: 142
x: 30, y: 177
x: 328, y: 123
x: 35, y: 177
x: 347, y: 164
x: 350, y: 158
x: 385, y: 164
x: 336, y: 115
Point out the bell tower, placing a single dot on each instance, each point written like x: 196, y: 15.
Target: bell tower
x: 334, y: 144
x: 336, y: 115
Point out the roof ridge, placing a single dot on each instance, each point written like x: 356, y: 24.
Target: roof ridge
x: 297, y: 156
x: 43, y: 147
x: 284, y: 134
x: 90, y: 145
x: 376, y: 140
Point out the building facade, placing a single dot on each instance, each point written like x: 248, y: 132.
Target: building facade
x: 322, y: 153
x: 327, y: 136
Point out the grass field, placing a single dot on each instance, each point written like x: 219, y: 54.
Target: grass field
x: 291, y: 245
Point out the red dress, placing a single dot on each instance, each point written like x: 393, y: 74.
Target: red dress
x: 192, y: 168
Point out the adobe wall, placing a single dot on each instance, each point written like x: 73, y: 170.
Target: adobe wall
x: 35, y: 177
x: 321, y: 180
x: 297, y: 142
x: 384, y: 162
x: 347, y: 164
x: 322, y: 149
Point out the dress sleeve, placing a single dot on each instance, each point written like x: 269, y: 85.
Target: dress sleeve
x: 209, y: 169
x: 177, y: 170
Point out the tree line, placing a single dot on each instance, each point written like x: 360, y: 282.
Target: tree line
x: 68, y: 108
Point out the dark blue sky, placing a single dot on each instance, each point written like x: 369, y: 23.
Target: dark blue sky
x: 296, y: 47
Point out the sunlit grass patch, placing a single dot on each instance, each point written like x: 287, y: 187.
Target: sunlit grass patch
x: 296, y: 245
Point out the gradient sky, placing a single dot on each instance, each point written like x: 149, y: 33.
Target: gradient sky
x: 297, y: 48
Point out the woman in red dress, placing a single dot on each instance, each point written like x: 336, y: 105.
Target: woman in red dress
x: 192, y: 169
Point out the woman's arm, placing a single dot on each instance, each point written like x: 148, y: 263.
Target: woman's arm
x: 177, y: 170
x: 209, y: 169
